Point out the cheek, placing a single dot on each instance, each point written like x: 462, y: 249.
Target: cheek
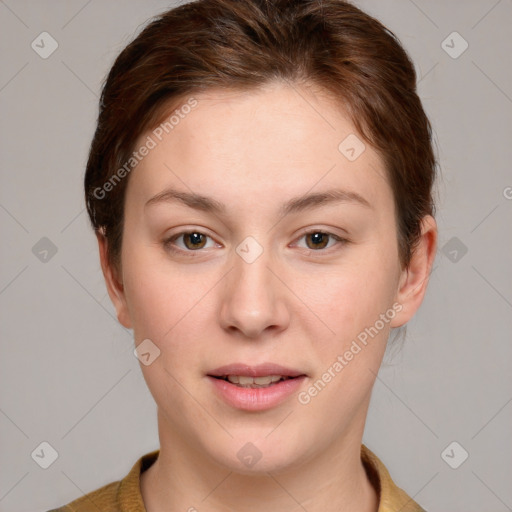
x: 167, y: 309
x: 351, y: 298
x: 149, y: 301
x: 166, y: 302
x: 348, y: 359
x: 153, y: 296
x: 160, y: 306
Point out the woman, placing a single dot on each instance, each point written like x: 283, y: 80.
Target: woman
x: 260, y: 183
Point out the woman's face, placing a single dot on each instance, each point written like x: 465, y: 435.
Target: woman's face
x: 291, y: 259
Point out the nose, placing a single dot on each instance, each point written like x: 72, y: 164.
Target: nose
x: 253, y: 300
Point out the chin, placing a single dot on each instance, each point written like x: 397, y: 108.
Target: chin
x: 258, y: 455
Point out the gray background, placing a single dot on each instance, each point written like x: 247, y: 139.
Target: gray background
x: 68, y: 375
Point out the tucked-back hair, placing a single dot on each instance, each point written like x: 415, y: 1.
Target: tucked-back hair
x: 245, y: 44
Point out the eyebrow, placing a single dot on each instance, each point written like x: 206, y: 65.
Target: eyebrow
x: 294, y: 205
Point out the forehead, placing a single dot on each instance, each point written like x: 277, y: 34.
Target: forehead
x: 278, y: 140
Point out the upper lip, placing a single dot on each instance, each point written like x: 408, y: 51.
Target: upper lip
x: 260, y: 370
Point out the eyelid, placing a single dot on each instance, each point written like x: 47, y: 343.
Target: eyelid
x: 326, y: 230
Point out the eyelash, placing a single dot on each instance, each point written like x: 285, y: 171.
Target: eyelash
x: 168, y: 243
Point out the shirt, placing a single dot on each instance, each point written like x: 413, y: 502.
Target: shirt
x: 125, y: 496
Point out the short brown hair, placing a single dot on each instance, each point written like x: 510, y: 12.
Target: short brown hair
x: 244, y: 44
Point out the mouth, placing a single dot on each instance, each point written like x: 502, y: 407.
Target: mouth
x: 264, y: 374
x: 245, y: 381
x: 256, y: 388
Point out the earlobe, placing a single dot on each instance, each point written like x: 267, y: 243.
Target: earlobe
x: 113, y: 282
x: 414, y: 279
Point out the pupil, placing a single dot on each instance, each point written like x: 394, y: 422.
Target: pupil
x: 318, y: 240
x: 195, y: 240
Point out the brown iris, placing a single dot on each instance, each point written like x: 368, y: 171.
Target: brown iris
x: 194, y: 240
x: 320, y: 240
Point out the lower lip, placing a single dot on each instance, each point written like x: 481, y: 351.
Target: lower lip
x: 256, y: 399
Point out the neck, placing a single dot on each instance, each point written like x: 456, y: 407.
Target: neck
x: 185, y: 479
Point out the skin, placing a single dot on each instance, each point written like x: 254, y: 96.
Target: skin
x: 294, y: 306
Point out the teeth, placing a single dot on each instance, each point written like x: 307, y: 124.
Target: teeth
x: 253, y: 382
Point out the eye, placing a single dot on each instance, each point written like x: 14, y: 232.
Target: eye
x: 191, y: 241
x: 317, y: 240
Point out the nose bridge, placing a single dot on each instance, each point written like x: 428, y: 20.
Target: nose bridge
x: 252, y: 301
x: 253, y: 279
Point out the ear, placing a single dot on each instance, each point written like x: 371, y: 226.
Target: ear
x: 414, y: 279
x: 113, y: 282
